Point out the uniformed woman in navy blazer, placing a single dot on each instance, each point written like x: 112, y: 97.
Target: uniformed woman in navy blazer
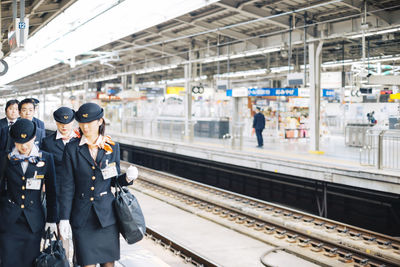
x: 55, y: 142
x: 91, y: 165
x: 25, y: 170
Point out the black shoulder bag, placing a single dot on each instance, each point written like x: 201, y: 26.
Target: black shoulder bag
x: 130, y: 218
x: 54, y: 255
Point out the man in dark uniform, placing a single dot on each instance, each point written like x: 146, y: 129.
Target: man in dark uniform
x: 27, y: 109
x: 11, y: 113
x: 258, y: 126
x: 24, y: 171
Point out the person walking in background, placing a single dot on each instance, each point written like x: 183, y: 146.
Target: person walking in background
x: 11, y: 113
x: 27, y: 108
x: 258, y: 126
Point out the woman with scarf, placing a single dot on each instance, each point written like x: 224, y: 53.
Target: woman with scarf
x: 91, y: 165
x: 24, y: 171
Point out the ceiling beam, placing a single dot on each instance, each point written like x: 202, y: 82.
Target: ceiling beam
x: 358, y: 5
x: 252, y: 11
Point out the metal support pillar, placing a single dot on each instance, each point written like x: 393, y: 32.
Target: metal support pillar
x: 124, y: 82
x: 86, y: 87
x: 305, y: 49
x: 62, y: 95
x: 237, y: 127
x: 315, y: 57
x: 133, y: 80
x: 188, y: 104
x: 44, y: 104
x: 22, y: 19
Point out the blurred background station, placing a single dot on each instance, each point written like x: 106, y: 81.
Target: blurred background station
x: 182, y: 83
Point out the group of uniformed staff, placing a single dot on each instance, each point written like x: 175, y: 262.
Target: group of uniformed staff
x: 74, y: 169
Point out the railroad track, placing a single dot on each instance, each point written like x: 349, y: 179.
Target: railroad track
x: 187, y: 255
x: 316, y: 239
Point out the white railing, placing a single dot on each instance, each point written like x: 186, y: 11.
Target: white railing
x: 381, y: 149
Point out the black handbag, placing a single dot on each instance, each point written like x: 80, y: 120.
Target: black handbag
x: 54, y: 255
x: 130, y: 218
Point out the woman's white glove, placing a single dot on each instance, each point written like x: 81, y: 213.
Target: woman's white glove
x: 65, y: 229
x: 52, y: 226
x: 131, y: 173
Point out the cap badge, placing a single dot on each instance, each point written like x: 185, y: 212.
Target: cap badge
x: 85, y: 115
x: 23, y: 135
x: 66, y: 117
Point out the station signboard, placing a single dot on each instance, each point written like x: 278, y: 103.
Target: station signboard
x: 328, y: 93
x: 273, y: 92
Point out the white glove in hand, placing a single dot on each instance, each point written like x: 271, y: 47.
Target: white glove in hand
x: 53, y: 227
x: 131, y: 173
x: 65, y: 229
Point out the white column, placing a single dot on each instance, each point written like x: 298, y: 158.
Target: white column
x: 86, y: 87
x: 62, y: 95
x: 124, y: 82
x: 188, y: 104
x: 315, y: 58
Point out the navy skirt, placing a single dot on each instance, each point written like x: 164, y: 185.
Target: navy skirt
x: 18, y: 245
x: 94, y: 244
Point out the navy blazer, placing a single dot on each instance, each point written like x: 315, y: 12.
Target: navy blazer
x: 5, y: 137
x: 3, y: 122
x: 56, y: 148
x: 17, y: 199
x: 39, y: 123
x: 259, y: 121
x: 83, y: 185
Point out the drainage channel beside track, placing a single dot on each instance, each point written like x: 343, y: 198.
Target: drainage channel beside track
x: 313, y: 238
x: 187, y: 255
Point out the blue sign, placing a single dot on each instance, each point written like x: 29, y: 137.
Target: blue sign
x: 229, y: 92
x: 328, y: 93
x: 273, y: 92
x: 21, y: 25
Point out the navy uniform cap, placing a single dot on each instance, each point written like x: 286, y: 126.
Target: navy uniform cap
x: 64, y: 115
x: 89, y: 112
x: 23, y: 131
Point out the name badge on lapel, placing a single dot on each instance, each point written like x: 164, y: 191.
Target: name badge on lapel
x: 33, y: 184
x: 109, y: 171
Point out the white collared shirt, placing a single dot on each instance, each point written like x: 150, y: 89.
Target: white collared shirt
x: 8, y: 121
x: 93, y: 151
x: 24, y: 164
x: 60, y: 136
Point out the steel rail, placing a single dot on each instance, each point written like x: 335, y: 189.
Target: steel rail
x: 356, y: 244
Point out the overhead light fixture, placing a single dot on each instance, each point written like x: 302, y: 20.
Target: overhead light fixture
x: 249, y: 53
x: 359, y: 35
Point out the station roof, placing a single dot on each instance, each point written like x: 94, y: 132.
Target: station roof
x: 39, y: 12
x: 228, y: 27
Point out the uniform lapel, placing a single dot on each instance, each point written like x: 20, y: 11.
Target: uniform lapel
x: 59, y: 144
x: 100, y: 155
x: 84, y: 151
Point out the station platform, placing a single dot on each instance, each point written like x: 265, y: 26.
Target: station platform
x: 339, y: 164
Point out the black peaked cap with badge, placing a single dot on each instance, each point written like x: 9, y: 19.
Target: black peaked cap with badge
x: 64, y: 115
x: 23, y: 131
x: 89, y: 112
